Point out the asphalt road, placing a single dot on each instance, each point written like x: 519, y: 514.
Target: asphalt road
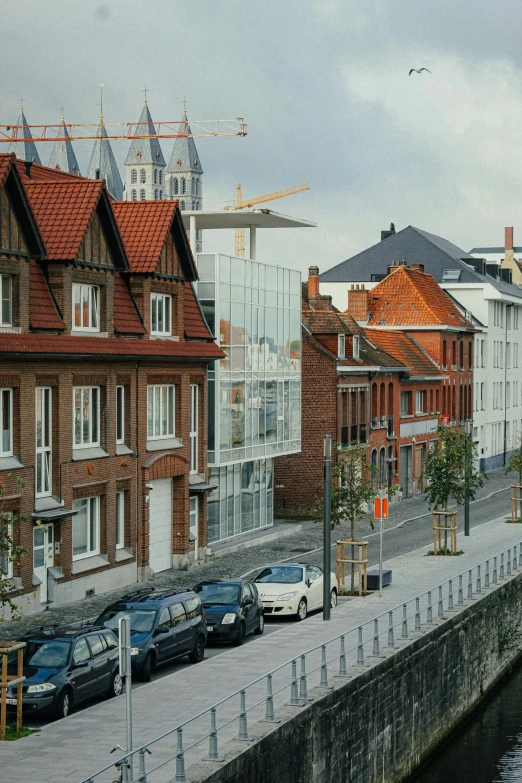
x: 399, y: 537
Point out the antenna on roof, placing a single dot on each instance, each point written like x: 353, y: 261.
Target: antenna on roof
x: 101, y: 100
x: 21, y: 103
x: 146, y: 90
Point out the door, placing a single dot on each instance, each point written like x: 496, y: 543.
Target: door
x: 43, y: 555
x: 160, y: 525
x: 194, y: 522
x: 405, y: 471
x: 81, y: 678
x: 182, y: 628
x: 315, y: 591
x: 420, y: 451
x: 165, y: 638
x: 248, y: 608
x: 101, y: 664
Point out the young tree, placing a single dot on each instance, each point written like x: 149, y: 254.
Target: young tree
x: 515, y: 461
x: 10, y: 555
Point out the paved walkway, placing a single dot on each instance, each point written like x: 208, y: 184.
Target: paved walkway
x: 71, y: 749
x: 412, y: 513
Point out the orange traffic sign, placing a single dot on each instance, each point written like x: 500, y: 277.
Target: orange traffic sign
x: 380, y: 508
x: 385, y: 508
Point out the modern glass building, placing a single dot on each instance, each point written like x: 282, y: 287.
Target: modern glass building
x: 254, y: 311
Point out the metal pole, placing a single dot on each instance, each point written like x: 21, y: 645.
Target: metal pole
x: 467, y: 468
x: 126, y: 671
x: 380, y: 555
x: 327, y: 529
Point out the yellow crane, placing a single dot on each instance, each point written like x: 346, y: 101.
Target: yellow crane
x: 250, y: 202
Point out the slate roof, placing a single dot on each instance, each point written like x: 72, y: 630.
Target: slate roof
x: 62, y: 156
x: 409, y: 297
x: 194, y: 321
x: 26, y: 148
x: 143, y: 226
x: 103, y: 161
x: 184, y: 153
x: 126, y: 318
x: 42, y: 309
x: 404, y: 348
x: 145, y: 150
x: 63, y: 211
x: 415, y: 247
x: 52, y: 344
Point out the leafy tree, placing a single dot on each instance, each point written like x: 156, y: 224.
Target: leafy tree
x: 515, y: 461
x: 10, y: 553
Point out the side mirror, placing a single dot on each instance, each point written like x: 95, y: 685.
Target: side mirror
x: 161, y: 629
x: 80, y: 665
x: 308, y: 582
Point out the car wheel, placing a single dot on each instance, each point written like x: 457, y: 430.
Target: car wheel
x: 333, y: 598
x: 261, y: 627
x: 240, y: 636
x: 64, y: 705
x: 198, y: 653
x: 116, y: 686
x: 302, y: 609
x: 146, y: 668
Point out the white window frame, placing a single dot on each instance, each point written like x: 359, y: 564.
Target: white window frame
x: 94, y: 415
x: 120, y: 414
x: 120, y: 519
x: 6, y: 398
x: 194, y: 444
x: 93, y: 508
x: 420, y: 396
x: 161, y: 304
x: 43, y: 414
x: 6, y: 282
x: 341, y: 346
x: 407, y: 398
x: 93, y: 307
x: 356, y: 346
x: 157, y: 396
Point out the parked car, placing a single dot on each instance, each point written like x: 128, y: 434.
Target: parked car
x: 64, y: 667
x: 292, y: 589
x: 233, y: 609
x: 164, y: 626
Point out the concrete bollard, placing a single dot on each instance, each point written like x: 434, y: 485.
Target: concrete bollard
x: 495, y: 575
x: 324, y: 668
x: 479, y: 580
x: 460, y: 598
x: 243, y: 726
x: 303, y: 686
x: 515, y: 559
x: 508, y: 564
x: 501, y: 575
x: 360, y: 648
x: 450, y: 595
x: 440, y: 607
x: 486, y: 577
x: 180, y: 758
x: 294, y: 695
x: 417, y: 615
x: 404, y: 633
x: 391, y: 633
x: 142, y: 775
x: 213, y: 754
x: 429, y: 611
x: 470, y: 585
x: 376, y: 651
x: 342, y: 660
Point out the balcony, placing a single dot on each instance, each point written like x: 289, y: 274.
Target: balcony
x: 378, y: 422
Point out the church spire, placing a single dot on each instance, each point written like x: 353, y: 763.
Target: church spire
x: 102, y: 164
x: 26, y: 148
x: 145, y: 150
x: 62, y: 156
x: 184, y: 154
x: 145, y: 164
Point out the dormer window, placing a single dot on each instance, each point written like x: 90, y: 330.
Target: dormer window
x: 86, y: 307
x: 160, y: 314
x: 6, y: 313
x: 356, y: 346
x: 341, y: 346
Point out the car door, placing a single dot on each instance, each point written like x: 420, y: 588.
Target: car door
x: 189, y: 631
x: 315, y: 591
x: 164, y: 636
x: 102, y: 663
x: 80, y: 676
x: 248, y: 607
x: 182, y: 628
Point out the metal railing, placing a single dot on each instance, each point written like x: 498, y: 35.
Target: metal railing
x: 289, y: 683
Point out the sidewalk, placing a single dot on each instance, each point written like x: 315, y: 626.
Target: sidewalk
x: 266, y: 548
x: 73, y: 748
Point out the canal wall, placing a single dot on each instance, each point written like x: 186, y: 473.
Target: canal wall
x: 382, y: 724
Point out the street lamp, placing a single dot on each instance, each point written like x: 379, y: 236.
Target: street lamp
x: 327, y: 528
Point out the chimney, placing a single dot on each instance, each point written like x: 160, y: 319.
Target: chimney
x: 390, y: 233
x: 313, y: 281
x: 508, y: 238
x: 395, y: 265
x: 28, y: 164
x: 97, y: 174
x: 358, y: 302
x: 418, y: 267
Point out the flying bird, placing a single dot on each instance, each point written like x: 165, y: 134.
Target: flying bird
x: 418, y: 71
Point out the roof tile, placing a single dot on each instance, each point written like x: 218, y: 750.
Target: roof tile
x: 42, y: 310
x: 143, y: 226
x: 126, y: 319
x: 195, y: 324
x: 402, y: 347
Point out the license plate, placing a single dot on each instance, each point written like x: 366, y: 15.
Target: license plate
x: 11, y: 701
x: 210, y: 627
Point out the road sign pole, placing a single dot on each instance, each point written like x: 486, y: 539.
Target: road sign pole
x: 327, y: 531
x: 124, y: 624
x: 380, y: 558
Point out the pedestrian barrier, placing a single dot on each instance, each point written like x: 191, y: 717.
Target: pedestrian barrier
x: 260, y: 699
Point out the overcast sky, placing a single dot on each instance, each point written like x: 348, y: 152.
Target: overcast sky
x: 324, y: 88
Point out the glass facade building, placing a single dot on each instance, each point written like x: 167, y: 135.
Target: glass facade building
x: 254, y: 312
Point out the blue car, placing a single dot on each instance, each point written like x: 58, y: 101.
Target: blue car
x: 164, y: 626
x: 64, y: 667
x: 233, y: 609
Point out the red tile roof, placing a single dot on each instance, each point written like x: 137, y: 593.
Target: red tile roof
x: 143, y: 226
x: 195, y: 326
x: 409, y: 297
x: 126, y: 320
x: 6, y: 161
x: 63, y: 211
x: 41, y: 173
x: 42, y: 310
x: 53, y: 344
x: 402, y: 347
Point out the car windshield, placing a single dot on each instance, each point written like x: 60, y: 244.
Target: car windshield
x: 218, y: 594
x: 287, y: 575
x: 142, y: 620
x: 47, y: 654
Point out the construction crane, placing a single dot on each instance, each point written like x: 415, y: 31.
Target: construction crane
x: 250, y: 202
x: 122, y: 130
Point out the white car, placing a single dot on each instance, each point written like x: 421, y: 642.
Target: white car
x: 292, y: 589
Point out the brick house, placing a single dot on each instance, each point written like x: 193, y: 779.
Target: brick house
x: 104, y: 356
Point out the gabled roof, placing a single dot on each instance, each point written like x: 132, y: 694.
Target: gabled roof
x: 402, y: 346
x: 145, y: 150
x: 43, y: 313
x: 410, y: 297
x: 39, y: 173
x: 184, y: 153
x: 102, y: 165
x: 10, y: 179
x: 62, y: 156
x: 26, y: 148
x: 126, y: 317
x: 196, y: 327
x: 144, y: 226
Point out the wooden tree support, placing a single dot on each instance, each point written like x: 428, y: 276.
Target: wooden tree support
x: 6, y: 650
x: 444, y: 522
x: 516, y: 502
x: 361, y: 561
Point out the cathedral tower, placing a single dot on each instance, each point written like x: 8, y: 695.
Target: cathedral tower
x: 26, y: 148
x: 102, y: 164
x: 184, y: 175
x: 62, y: 156
x: 145, y: 164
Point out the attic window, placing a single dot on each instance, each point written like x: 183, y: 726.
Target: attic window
x: 450, y: 274
x: 341, y: 346
x: 356, y: 346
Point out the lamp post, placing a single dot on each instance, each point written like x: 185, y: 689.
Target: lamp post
x: 327, y: 528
